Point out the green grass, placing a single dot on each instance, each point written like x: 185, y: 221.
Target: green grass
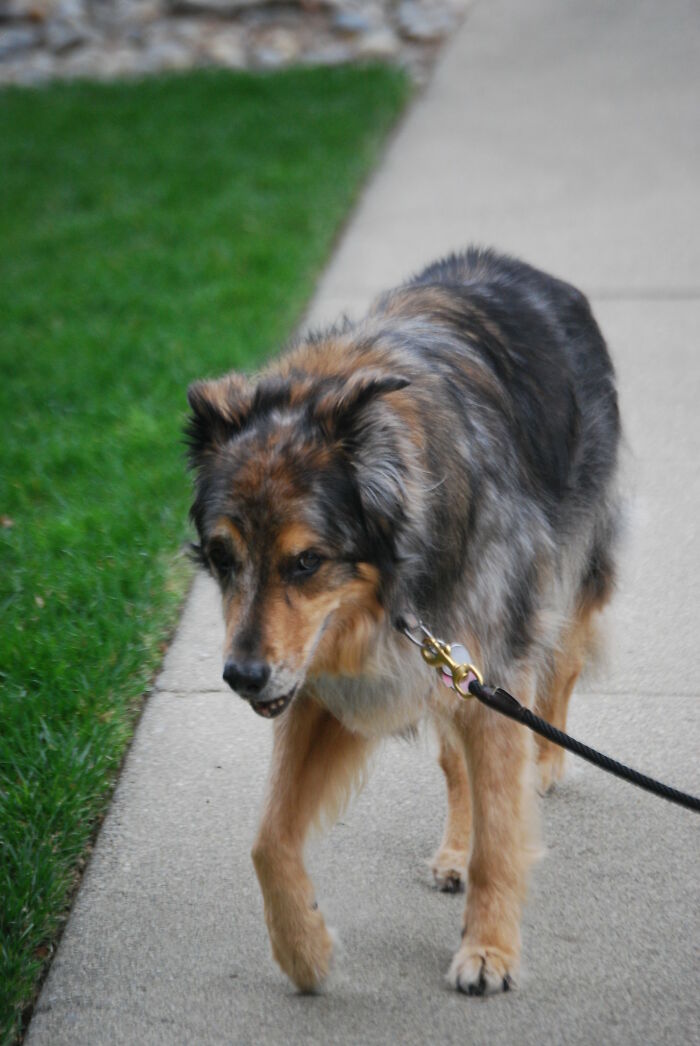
x: 150, y: 233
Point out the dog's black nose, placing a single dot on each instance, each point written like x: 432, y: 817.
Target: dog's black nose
x: 246, y: 677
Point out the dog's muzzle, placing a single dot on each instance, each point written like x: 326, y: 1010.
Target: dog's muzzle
x: 249, y: 679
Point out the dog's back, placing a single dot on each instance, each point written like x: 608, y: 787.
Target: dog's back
x: 516, y: 396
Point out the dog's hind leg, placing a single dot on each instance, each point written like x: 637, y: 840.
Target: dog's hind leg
x: 554, y: 694
x: 315, y: 764
x: 449, y: 862
x: 504, y: 842
x: 554, y: 691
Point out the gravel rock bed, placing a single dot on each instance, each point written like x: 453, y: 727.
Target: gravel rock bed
x: 42, y: 40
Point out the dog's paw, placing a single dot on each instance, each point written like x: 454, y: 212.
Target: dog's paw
x: 479, y: 970
x: 449, y: 868
x: 304, y: 950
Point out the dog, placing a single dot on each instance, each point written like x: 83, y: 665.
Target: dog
x: 452, y: 456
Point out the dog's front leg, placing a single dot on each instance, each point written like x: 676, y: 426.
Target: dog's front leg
x: 315, y: 763
x: 499, y: 759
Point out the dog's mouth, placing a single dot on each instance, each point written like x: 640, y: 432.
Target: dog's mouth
x: 271, y: 709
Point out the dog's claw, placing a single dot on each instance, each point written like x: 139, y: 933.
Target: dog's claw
x: 479, y: 988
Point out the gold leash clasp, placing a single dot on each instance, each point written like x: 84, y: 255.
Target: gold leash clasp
x: 438, y: 655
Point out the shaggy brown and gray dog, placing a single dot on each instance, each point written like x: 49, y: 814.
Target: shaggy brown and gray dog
x: 451, y: 456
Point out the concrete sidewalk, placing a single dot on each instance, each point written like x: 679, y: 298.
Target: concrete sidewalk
x: 568, y: 132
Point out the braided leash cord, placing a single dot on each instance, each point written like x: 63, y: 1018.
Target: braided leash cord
x: 501, y: 701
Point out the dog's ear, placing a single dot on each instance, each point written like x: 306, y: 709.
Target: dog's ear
x: 371, y: 443
x: 338, y: 408
x: 219, y: 409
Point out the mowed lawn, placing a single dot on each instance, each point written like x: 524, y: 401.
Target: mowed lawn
x: 150, y: 233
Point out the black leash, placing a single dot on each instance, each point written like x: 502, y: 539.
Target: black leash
x: 438, y: 655
x: 501, y: 701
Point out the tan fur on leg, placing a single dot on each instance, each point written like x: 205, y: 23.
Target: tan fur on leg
x: 449, y: 863
x: 315, y: 764
x: 554, y: 694
x: 499, y: 758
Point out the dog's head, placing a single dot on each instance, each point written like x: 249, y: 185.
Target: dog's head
x: 299, y: 498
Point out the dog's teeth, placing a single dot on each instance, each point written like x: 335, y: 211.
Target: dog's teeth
x: 271, y: 708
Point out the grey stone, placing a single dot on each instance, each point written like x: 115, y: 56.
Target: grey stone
x: 139, y: 12
x: 67, y: 11
x: 424, y: 23
x: 352, y: 21
x: 169, y: 45
x: 99, y: 62
x: 63, y: 34
x: 18, y: 38
x: 381, y: 43
x: 225, y: 47
x: 277, y: 47
x: 68, y: 25
x: 192, y: 31
x: 265, y: 57
x: 165, y: 52
x: 28, y: 69
x: 332, y: 53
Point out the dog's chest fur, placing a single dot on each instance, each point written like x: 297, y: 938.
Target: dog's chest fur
x: 391, y: 695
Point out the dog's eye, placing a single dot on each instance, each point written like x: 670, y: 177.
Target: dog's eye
x: 307, y: 563
x: 221, y: 559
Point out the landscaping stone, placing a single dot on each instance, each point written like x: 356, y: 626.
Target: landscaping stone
x: 225, y: 47
x: 382, y: 43
x: 329, y: 54
x: 105, y: 39
x: 17, y: 39
x: 64, y: 34
x: 423, y: 23
x: 355, y: 20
